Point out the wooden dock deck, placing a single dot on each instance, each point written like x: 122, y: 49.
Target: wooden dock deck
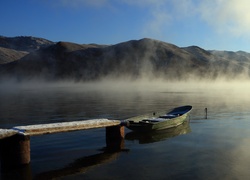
x: 15, y: 142
x: 40, y: 129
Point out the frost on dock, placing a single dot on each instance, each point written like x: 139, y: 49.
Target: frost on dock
x: 65, y: 126
x: 4, y: 133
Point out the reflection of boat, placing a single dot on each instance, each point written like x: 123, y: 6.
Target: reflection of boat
x: 155, y: 136
x: 159, y: 120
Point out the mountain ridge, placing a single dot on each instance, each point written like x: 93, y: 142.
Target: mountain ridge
x: 134, y: 59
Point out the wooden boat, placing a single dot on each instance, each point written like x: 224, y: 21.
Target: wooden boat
x: 159, y: 120
x: 155, y: 136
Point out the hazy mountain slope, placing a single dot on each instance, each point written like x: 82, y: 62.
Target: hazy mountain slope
x: 236, y: 62
x: 9, y: 55
x: 14, y: 48
x: 199, y: 53
x: 24, y: 43
x: 133, y: 59
x: 57, y: 61
x: 239, y: 56
x: 145, y: 58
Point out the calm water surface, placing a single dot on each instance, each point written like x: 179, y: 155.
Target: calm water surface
x: 214, y: 148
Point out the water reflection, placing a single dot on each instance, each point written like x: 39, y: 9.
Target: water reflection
x: 161, y: 135
x: 80, y: 165
x: 22, y: 173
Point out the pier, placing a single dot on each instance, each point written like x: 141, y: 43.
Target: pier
x: 15, y: 142
x: 4, y: 133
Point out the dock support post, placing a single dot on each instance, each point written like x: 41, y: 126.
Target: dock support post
x: 115, y: 137
x: 15, y: 151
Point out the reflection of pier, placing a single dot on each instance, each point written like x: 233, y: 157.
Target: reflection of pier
x: 82, y: 165
x: 78, y: 166
x: 155, y: 136
x: 15, y: 147
x: 15, y: 142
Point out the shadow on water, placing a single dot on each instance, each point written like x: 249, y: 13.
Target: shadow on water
x: 108, y: 154
x: 80, y: 165
x: 161, y: 135
x: 23, y: 173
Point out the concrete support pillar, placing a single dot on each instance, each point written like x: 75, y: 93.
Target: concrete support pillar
x: 115, y: 137
x: 15, y: 151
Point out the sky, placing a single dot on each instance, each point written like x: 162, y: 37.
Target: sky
x: 209, y: 24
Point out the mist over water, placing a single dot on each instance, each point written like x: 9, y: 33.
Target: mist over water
x: 238, y: 88
x: 41, y: 99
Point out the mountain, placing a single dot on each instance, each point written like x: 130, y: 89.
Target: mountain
x: 144, y: 58
x: 14, y: 48
x: 9, y: 55
x: 24, y: 43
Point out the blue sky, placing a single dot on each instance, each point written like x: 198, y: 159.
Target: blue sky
x: 209, y: 24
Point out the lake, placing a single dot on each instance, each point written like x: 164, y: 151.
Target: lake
x: 216, y: 147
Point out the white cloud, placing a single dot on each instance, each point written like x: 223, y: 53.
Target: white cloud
x: 155, y: 26
x: 230, y: 16
x: 224, y: 16
x: 162, y: 14
x: 159, y: 15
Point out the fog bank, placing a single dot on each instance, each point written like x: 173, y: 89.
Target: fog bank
x: 145, y: 85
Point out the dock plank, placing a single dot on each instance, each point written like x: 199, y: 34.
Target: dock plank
x: 4, y: 133
x: 40, y: 129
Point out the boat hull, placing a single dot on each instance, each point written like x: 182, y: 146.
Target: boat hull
x: 140, y: 123
x: 155, y: 136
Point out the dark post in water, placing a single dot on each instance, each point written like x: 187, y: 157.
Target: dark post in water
x: 115, y: 137
x: 15, y: 150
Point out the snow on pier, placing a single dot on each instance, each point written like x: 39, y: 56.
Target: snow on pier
x: 15, y: 142
x: 4, y: 133
x: 40, y: 129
